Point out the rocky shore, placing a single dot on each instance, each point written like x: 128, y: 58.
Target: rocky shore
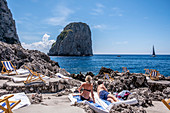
x: 144, y: 90
x: 34, y: 59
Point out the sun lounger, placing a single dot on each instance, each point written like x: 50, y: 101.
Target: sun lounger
x: 125, y: 70
x: 17, y: 97
x: 101, y: 106
x: 8, y: 67
x: 147, y: 72
x: 62, y: 76
x: 107, y: 75
x: 6, y: 105
x: 34, y: 76
x: 154, y: 75
x: 166, y: 103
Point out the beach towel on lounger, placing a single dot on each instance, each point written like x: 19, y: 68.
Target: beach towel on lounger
x: 123, y: 94
x: 95, y: 106
x: 18, y: 96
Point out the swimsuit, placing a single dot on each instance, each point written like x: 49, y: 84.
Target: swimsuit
x: 82, y: 98
x: 103, y: 94
x: 87, y: 90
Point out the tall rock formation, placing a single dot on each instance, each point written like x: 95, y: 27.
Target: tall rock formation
x: 74, y: 40
x: 8, y: 32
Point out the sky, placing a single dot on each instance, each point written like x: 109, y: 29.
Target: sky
x: 117, y: 26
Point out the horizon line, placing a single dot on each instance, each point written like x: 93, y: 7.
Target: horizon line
x: 131, y: 53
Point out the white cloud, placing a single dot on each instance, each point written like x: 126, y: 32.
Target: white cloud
x: 100, y: 26
x: 44, y: 45
x: 105, y: 27
x: 98, y: 10
x: 60, y: 16
x: 100, y: 5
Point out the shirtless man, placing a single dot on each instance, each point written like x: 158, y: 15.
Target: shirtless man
x: 104, y: 94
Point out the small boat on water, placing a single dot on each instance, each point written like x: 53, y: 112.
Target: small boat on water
x: 153, y: 54
x: 118, y: 56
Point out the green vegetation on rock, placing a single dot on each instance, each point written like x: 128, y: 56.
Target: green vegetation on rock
x: 53, y: 44
x: 64, y: 34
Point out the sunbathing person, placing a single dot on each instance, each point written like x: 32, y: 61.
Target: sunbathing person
x: 104, y: 94
x: 87, y: 89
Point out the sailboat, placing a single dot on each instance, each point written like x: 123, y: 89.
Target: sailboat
x: 153, y: 54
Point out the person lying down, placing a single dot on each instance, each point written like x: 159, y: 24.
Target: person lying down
x: 104, y: 94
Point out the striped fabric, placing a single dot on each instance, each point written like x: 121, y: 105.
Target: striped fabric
x: 154, y: 74
x: 8, y: 65
x: 4, y: 105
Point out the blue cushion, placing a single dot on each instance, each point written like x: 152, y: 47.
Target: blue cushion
x: 91, y: 102
x: 107, y: 102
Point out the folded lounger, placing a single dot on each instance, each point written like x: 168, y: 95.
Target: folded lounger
x: 107, y: 75
x: 8, y: 67
x: 34, y: 76
x: 18, y: 99
x: 101, y: 106
x: 166, y: 103
x: 6, y: 106
x: 147, y: 72
x: 125, y: 70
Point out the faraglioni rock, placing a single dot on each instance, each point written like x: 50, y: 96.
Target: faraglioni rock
x: 74, y: 40
x: 8, y: 32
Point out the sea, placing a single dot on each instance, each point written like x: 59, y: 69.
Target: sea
x: 134, y: 63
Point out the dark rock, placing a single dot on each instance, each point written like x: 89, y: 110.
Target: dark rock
x: 74, y: 40
x: 105, y: 70
x: 34, y: 59
x: 8, y: 31
x: 36, y: 98
x: 90, y: 73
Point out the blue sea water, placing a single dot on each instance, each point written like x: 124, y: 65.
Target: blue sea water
x: 134, y: 63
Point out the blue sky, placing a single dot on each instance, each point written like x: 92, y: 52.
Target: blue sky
x: 118, y: 26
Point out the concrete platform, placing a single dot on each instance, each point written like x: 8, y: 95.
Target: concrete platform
x: 51, y: 104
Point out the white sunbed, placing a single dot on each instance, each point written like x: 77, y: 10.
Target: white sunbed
x: 101, y: 106
x: 62, y: 76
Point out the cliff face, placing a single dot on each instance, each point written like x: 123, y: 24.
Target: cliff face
x: 74, y: 40
x: 8, y: 32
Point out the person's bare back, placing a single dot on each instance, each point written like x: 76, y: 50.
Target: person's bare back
x: 104, y: 94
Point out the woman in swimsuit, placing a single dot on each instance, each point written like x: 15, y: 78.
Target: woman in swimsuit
x: 87, y: 89
x: 104, y: 94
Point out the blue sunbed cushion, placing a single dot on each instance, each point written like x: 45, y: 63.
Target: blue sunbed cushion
x: 78, y: 98
x: 107, y: 102
x: 91, y: 102
x: 96, y: 105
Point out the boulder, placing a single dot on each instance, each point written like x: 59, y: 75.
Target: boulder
x: 74, y: 40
